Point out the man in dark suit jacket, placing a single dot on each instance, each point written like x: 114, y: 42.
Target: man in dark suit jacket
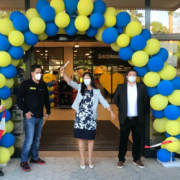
x: 131, y: 100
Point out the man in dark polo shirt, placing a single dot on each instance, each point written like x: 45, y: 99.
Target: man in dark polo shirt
x: 32, y: 96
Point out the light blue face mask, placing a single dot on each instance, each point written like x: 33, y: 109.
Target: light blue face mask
x: 132, y: 79
x: 87, y: 82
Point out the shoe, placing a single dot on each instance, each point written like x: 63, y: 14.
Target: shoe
x: 139, y: 164
x: 82, y: 167
x: 25, y: 166
x: 120, y: 164
x: 38, y: 161
x: 1, y: 173
x: 91, y: 166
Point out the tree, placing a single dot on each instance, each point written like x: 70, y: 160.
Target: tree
x: 157, y: 27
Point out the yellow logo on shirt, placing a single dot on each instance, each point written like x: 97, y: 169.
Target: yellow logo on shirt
x: 33, y: 88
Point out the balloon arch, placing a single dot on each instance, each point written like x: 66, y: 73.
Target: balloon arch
x: 134, y: 44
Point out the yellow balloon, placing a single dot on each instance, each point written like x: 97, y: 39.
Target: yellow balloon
x: 81, y: 32
x: 123, y: 40
x: 85, y: 7
x: 110, y: 10
x: 52, y: 104
x: 9, y: 83
x: 99, y: 33
x: 133, y: 28
x: 32, y: 13
x: 151, y: 79
x: 173, y: 128
x: 58, y: 5
x: 15, y: 62
x: 6, y: 26
x: 52, y: 96
x: 166, y: 64
x: 43, y: 36
x: 4, y: 155
x: 5, y: 59
x: 159, y: 102
x: 61, y: 31
x: 142, y: 79
x: 37, y: 25
x: 178, y: 119
x: 82, y: 23
x: 152, y: 47
x: 16, y: 38
x: 51, y: 88
x: 131, y: 63
x: 178, y: 152
x: 110, y: 20
x: 47, y: 78
x: 174, y: 146
x: 2, y: 80
x: 62, y: 20
x: 160, y: 124
x: 25, y: 46
x: 11, y: 150
x: 7, y: 103
x: 115, y: 47
x: 174, y: 98
x: 163, y: 146
x: 140, y: 58
x: 168, y: 72
x: 9, y: 126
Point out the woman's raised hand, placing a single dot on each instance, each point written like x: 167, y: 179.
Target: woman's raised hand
x: 62, y: 69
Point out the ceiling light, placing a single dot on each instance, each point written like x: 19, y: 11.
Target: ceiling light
x: 87, y: 54
x: 46, y: 50
x: 74, y: 54
x: 47, y: 71
x: 57, y: 62
x: 90, y: 51
x: 37, y: 51
x: 41, y: 54
x: 75, y: 50
x: 76, y: 45
x: 45, y: 54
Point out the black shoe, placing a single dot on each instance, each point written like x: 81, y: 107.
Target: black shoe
x: 1, y: 173
x: 25, y: 166
x: 38, y: 161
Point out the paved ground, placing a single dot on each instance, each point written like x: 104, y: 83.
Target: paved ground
x: 67, y: 168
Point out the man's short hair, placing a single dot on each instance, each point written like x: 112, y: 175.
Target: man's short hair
x: 34, y: 67
x: 131, y: 70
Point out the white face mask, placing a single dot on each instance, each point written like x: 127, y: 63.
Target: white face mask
x: 132, y: 79
x: 87, y: 82
x: 38, y: 76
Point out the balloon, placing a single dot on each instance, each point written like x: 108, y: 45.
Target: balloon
x: 6, y: 26
x: 16, y: 38
x: 174, y: 146
x: 152, y: 47
x: 110, y: 20
x: 97, y: 20
x: 62, y: 20
x: 172, y: 127
x: 59, y: 6
x: 163, y: 155
x: 151, y: 91
x: 168, y: 73
x: 25, y: 47
x: 15, y: 62
x: 85, y: 7
x: 14, y: 14
x: 5, y: 59
x: 11, y: 150
x: 51, y: 29
x: 40, y: 4
x: 20, y: 23
x: 31, y: 13
x: 52, y: 96
x: 4, y: 43
x: 167, y: 135
x: 151, y: 79
x: 115, y: 47
x: 7, y: 103
x: 111, y: 10
x: 99, y: 7
x: 30, y: 38
x: 155, y: 64
x: 133, y: 28
x: 91, y: 32
x: 109, y: 35
x: 123, y: 19
x: 8, y: 71
x: 5, y: 93
x: 7, y: 140
x: 47, y: 13
x: 9, y: 126
x: 2, y: 80
x: 174, y: 98
x: 146, y: 34
x: 120, y: 31
x: 37, y: 25
x: 172, y: 112
x: 71, y: 29
x: 50, y: 84
x: 71, y: 6
x: 9, y: 82
x: 160, y: 124
x: 141, y: 71
x: 51, y: 100
x: 123, y: 40
x: 16, y: 52
x: 130, y: 62
x: 178, y: 136
x: 159, y: 102
x: 51, y: 89
x: 82, y: 23
x: 50, y: 92
x: 140, y: 58
x: 126, y: 53
x: 4, y: 155
x: 176, y: 82
x: 165, y: 88
x: 138, y: 43
x: 7, y: 115
x: 158, y: 114
x: 43, y: 36
x: 163, y: 54
x: 99, y: 33
x: 52, y: 105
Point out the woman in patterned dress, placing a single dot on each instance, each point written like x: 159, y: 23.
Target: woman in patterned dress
x: 85, y: 105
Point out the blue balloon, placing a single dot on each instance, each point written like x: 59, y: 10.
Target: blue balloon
x: 126, y: 53
x: 146, y: 34
x: 7, y: 140
x: 158, y: 114
x: 163, y: 54
x: 176, y: 82
x: 51, y: 29
x: 21, y: 23
x: 163, y: 155
x: 151, y: 91
x: 155, y: 64
x: 167, y: 135
x: 50, y: 84
x: 71, y: 6
x: 91, y: 32
x: 16, y: 53
x: 47, y: 13
x: 97, y: 20
x: 71, y: 29
x: 14, y: 14
x: 5, y: 93
x: 30, y: 38
x: 51, y: 100
x: 172, y: 112
x: 138, y: 43
x: 165, y: 88
x: 7, y: 115
x: 123, y: 19
x: 141, y: 71
x: 99, y: 7
x: 110, y: 35
x: 120, y: 30
x: 9, y: 71
x: 50, y: 92
x: 178, y: 136
x: 40, y: 4
x: 4, y: 43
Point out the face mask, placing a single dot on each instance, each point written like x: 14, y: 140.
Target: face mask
x: 132, y: 79
x: 87, y: 82
x: 38, y: 76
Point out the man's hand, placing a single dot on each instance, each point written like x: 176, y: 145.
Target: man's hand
x: 46, y: 116
x: 29, y: 115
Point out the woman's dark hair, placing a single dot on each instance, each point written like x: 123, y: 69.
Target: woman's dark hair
x: 83, y: 88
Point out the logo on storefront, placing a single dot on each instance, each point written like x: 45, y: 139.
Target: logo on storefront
x: 108, y: 56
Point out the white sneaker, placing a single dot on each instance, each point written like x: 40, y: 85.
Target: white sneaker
x: 91, y: 166
x: 82, y: 167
